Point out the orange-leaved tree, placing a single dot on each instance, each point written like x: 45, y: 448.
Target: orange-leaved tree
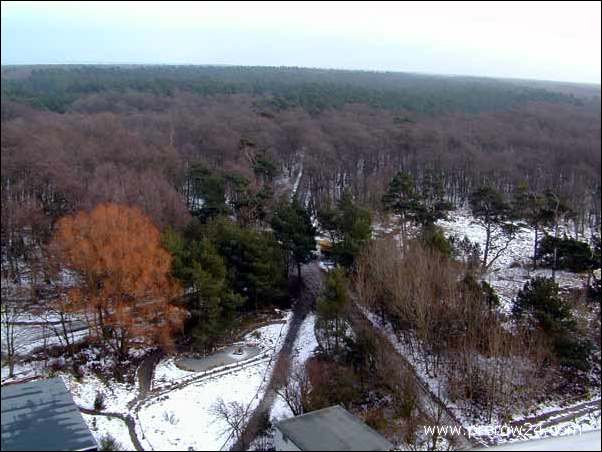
x: 123, y: 276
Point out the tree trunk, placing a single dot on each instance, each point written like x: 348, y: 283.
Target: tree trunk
x: 487, y: 244
x: 535, y: 247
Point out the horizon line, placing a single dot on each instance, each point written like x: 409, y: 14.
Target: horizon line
x: 378, y: 71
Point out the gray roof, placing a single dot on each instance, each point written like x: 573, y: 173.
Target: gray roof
x: 41, y: 415
x: 332, y: 428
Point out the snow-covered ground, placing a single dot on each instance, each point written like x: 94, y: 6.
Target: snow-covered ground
x: 101, y: 426
x: 167, y: 373
x: 23, y: 371
x: 180, y: 415
x: 116, y: 395
x: 34, y: 336
x: 512, y: 269
x: 304, y: 347
x: 507, y: 276
x: 570, y: 442
x: 306, y: 342
x: 184, y: 417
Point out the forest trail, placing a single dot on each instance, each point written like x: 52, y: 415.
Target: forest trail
x: 312, y: 283
x: 128, y: 419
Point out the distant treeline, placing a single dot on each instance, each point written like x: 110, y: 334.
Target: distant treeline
x: 314, y: 90
x: 169, y: 140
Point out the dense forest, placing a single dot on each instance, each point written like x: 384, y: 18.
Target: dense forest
x: 314, y: 90
x: 169, y: 205
x: 207, y: 142
x: 75, y: 136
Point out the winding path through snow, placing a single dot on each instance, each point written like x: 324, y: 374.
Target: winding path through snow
x: 312, y: 283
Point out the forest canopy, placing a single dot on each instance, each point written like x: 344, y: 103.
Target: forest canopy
x: 314, y: 90
x: 196, y: 141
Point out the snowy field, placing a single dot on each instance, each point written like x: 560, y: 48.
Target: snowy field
x: 183, y: 418
x: 178, y: 413
x: 167, y: 373
x: 513, y: 268
x: 116, y: 395
x: 101, y: 426
x: 572, y: 442
x: 304, y: 347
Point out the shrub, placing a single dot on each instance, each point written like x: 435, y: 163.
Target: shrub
x: 571, y: 254
x: 465, y: 250
x: 540, y: 301
x: 107, y: 442
x: 432, y: 237
x: 541, y: 304
x: 490, y: 296
x: 573, y: 352
x: 99, y: 401
x: 375, y: 418
x: 331, y: 384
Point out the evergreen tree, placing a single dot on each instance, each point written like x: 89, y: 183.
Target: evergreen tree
x: 571, y: 254
x: 249, y: 203
x: 402, y: 198
x: 293, y: 228
x: 492, y: 212
x: 433, y: 198
x: 332, y: 308
x: 536, y: 209
x: 422, y: 207
x: 206, y: 193
x: 540, y: 304
x: 265, y: 167
x: 211, y: 302
x: 254, y: 260
x: 432, y: 237
x: 214, y: 304
x: 349, y: 226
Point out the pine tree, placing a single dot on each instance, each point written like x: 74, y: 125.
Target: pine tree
x: 535, y: 209
x: 349, y: 226
x: 293, y: 228
x: 492, y: 212
x: 403, y: 199
x: 423, y: 208
x: 540, y: 304
x: 332, y: 307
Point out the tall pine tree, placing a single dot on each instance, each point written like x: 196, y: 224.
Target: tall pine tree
x: 293, y: 228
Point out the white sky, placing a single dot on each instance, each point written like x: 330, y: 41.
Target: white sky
x: 540, y: 40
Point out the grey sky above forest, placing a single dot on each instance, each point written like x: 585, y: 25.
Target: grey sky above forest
x: 535, y: 40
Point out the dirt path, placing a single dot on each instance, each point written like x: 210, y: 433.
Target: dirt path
x: 565, y: 413
x: 145, y: 377
x: 129, y: 422
x: 312, y: 282
x: 146, y: 372
x: 545, y: 421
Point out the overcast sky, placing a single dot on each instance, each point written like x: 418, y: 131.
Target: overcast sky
x: 539, y: 40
